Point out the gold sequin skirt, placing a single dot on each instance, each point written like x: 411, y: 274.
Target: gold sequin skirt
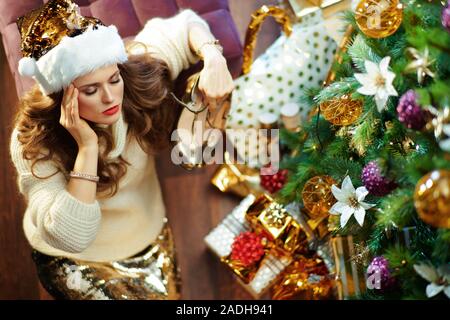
x: 152, y: 274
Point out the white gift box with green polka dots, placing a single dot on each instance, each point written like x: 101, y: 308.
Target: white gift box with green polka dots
x: 279, y: 76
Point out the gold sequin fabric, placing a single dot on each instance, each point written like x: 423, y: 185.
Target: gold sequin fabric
x: 43, y: 28
x: 152, y: 274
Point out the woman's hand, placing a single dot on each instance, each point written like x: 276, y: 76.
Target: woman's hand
x: 216, y: 82
x: 70, y: 119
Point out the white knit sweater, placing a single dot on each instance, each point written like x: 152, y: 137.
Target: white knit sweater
x: 58, y: 224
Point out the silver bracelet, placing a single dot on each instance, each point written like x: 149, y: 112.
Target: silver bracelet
x: 214, y: 42
x: 84, y: 176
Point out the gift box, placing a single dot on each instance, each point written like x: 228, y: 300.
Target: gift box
x: 238, y: 179
x: 306, y: 278
x: 350, y: 274
x: 272, y: 220
x: 220, y: 239
x: 257, y: 218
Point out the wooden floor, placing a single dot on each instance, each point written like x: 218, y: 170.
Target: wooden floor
x: 194, y: 207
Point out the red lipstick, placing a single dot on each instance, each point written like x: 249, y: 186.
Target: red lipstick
x: 111, y: 111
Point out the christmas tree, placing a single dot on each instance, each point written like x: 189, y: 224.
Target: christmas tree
x: 374, y: 157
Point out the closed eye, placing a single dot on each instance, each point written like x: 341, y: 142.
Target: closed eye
x: 90, y: 93
x: 94, y: 90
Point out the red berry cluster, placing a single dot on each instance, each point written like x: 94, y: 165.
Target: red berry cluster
x: 247, y: 248
x: 273, y: 182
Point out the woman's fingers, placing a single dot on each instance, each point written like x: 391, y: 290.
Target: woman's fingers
x: 75, y: 105
x: 212, y: 104
x: 63, y: 114
x: 217, y: 115
x: 68, y: 112
x: 221, y: 100
x: 216, y: 86
x: 67, y: 94
x: 72, y: 111
x: 64, y: 103
x: 69, y: 106
x: 64, y: 98
x: 218, y: 91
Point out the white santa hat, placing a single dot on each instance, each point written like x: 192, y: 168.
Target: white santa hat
x: 93, y: 47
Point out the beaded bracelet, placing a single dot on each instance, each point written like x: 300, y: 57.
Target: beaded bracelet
x: 214, y: 42
x: 84, y: 176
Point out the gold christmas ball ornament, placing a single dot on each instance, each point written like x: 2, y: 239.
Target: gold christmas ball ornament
x: 379, y: 18
x: 317, y: 196
x: 432, y: 198
x: 342, y: 111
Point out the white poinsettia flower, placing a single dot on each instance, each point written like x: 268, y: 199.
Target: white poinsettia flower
x: 377, y: 82
x: 350, y: 202
x: 445, y: 144
x: 439, y: 278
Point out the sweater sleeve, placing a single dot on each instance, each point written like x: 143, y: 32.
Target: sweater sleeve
x: 168, y: 39
x: 63, y: 221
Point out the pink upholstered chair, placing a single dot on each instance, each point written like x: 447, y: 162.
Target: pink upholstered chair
x: 129, y: 16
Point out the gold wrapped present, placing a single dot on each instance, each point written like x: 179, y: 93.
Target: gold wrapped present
x: 319, y: 224
x: 304, y: 279
x: 258, y: 277
x: 350, y: 274
x: 268, y: 273
x: 238, y: 179
x: 271, y: 219
x: 247, y: 273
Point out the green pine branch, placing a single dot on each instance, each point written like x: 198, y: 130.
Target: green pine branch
x: 397, y: 208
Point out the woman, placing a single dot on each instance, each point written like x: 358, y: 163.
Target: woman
x: 83, y: 145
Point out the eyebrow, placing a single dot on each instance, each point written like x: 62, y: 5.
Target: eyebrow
x: 97, y: 83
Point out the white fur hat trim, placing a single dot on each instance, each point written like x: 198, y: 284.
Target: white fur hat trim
x: 74, y: 57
